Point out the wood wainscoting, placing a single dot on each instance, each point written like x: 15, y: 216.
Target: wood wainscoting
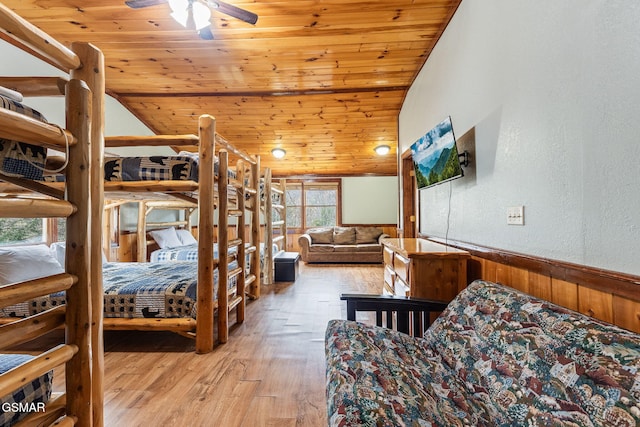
x: 602, y: 294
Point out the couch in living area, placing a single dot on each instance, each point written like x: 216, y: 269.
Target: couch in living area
x: 494, y: 357
x: 342, y: 244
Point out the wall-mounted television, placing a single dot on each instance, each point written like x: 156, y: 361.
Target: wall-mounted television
x: 435, y: 156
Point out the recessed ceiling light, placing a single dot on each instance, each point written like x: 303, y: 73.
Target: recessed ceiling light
x: 382, y: 150
x: 278, y: 153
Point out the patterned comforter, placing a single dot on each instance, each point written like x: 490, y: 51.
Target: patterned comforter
x: 495, y: 357
x: 17, y: 158
x: 190, y: 253
x: 37, y: 391
x: 183, y: 167
x: 133, y: 289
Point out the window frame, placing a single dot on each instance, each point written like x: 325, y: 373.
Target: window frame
x: 311, y: 183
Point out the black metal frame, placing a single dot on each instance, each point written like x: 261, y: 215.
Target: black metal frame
x: 412, y: 315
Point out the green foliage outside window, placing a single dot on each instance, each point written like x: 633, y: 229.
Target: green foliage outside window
x: 312, y: 205
x: 21, y: 230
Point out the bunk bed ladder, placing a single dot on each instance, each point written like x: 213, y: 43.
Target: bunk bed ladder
x: 238, y: 301
x: 254, y: 266
x: 271, y: 226
x: 75, y: 353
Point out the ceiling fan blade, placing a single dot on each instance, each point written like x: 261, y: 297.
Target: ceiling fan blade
x: 138, y: 4
x: 234, y: 11
x: 205, y: 33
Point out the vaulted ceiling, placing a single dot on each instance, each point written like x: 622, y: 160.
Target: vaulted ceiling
x: 323, y: 79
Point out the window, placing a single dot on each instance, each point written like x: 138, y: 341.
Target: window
x: 31, y: 230
x: 313, y: 204
x: 21, y: 230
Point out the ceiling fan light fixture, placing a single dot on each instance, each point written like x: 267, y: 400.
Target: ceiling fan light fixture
x: 201, y: 15
x: 190, y: 14
x: 180, y: 11
x: 382, y: 150
x: 278, y: 153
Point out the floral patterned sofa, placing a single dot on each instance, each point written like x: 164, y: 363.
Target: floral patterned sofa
x: 494, y: 357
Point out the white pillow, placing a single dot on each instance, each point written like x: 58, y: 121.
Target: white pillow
x: 59, y: 252
x: 186, y: 238
x: 166, y: 238
x: 20, y: 263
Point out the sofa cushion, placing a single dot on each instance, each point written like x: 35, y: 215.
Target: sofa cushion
x: 322, y: 235
x: 321, y: 248
x: 367, y: 234
x: 370, y: 247
x: 344, y: 235
x: 345, y: 248
x: 378, y: 376
x: 537, y: 362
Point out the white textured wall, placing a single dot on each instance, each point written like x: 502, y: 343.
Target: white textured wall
x: 118, y: 120
x: 370, y: 200
x: 552, y: 90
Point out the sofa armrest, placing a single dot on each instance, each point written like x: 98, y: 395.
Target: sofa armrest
x: 304, y: 241
x: 413, y: 315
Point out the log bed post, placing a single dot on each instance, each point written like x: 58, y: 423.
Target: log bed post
x: 78, y: 314
x: 141, y: 232
x: 283, y: 211
x: 254, y: 288
x: 92, y: 72
x: 223, y: 246
x: 241, y: 233
x: 206, y: 266
x: 268, y: 229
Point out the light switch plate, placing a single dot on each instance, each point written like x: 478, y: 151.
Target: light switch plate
x: 515, y: 215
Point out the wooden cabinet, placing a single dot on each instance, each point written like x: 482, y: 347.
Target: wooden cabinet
x: 422, y: 268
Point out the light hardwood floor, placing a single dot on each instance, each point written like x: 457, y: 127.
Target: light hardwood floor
x: 270, y: 373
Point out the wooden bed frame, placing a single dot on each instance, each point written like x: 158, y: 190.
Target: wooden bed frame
x: 208, y: 194
x: 275, y: 230
x: 82, y: 351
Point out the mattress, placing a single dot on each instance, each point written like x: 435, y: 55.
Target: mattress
x: 136, y: 290
x: 17, y: 158
x: 31, y: 396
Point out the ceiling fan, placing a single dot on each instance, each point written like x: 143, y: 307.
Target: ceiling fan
x: 195, y: 14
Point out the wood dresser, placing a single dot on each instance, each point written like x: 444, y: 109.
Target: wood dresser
x: 422, y: 268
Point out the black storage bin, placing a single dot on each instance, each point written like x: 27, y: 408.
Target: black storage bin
x: 286, y: 266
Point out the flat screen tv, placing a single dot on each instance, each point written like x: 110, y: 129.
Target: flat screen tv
x: 435, y: 156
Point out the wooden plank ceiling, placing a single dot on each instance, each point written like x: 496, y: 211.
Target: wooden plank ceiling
x: 323, y: 79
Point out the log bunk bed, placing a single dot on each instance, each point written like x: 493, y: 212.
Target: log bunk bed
x: 231, y: 197
x: 272, y: 206
x: 81, y: 353
x: 274, y: 209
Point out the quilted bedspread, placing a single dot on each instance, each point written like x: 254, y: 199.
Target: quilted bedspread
x: 133, y: 289
x: 36, y: 391
x: 495, y: 357
x: 178, y: 168
x: 17, y: 158
x: 190, y: 253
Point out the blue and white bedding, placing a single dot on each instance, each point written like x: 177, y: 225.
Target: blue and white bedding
x: 183, y: 167
x: 190, y: 253
x: 136, y: 290
x: 17, y: 158
x: 276, y: 198
x: 32, y: 395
